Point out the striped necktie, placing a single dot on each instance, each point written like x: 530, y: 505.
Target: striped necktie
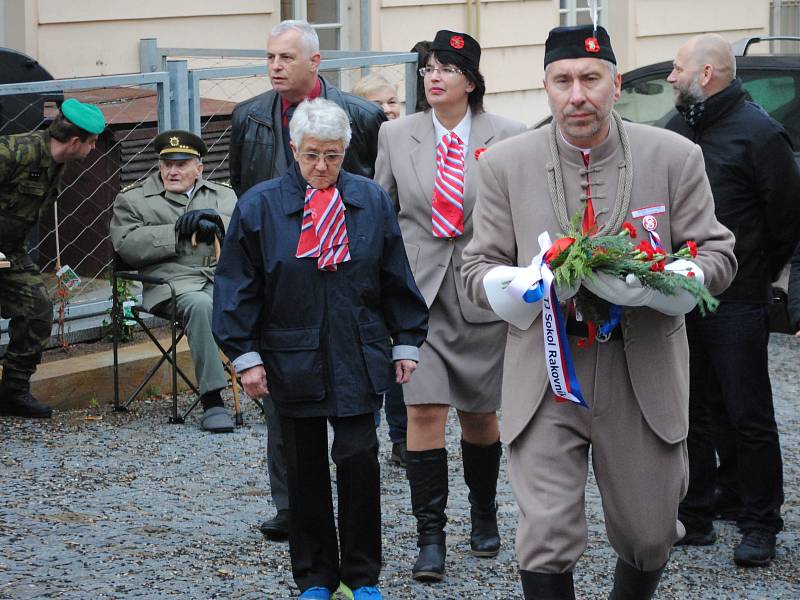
x: 588, y: 221
x: 448, y: 190
x: 323, y: 233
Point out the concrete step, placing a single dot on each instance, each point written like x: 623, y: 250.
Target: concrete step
x: 88, y: 381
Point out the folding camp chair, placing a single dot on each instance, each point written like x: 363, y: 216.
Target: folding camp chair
x: 122, y: 271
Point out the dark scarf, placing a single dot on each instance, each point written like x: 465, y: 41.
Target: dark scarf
x: 714, y: 106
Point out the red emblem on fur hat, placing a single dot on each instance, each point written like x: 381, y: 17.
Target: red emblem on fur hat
x: 591, y: 44
x: 457, y: 42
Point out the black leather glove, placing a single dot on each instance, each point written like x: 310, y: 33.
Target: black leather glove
x: 189, y: 222
x: 207, y: 229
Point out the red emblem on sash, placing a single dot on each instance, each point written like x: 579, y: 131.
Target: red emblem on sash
x: 457, y: 42
x: 591, y: 44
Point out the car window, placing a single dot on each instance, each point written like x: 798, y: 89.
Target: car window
x: 647, y: 100
x: 771, y: 92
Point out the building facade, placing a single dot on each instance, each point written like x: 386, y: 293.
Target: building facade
x: 98, y: 37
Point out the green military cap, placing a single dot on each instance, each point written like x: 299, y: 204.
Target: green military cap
x: 86, y: 116
x: 178, y: 144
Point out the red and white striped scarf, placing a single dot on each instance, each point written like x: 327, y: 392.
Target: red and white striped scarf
x: 323, y: 233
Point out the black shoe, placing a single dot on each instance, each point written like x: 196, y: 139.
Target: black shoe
x: 726, y: 507
x: 547, y: 586
x: 277, y: 528
x: 398, y: 456
x: 698, y: 538
x: 430, y: 563
x: 14, y: 403
x: 481, y: 469
x: 757, y: 548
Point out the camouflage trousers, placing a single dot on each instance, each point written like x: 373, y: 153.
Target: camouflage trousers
x: 24, y: 301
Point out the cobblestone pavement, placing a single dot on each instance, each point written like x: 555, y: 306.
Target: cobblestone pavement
x: 129, y: 506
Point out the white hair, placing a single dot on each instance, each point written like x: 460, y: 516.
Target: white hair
x: 321, y: 119
x: 309, y: 39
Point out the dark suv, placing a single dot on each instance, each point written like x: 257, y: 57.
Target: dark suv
x: 771, y: 80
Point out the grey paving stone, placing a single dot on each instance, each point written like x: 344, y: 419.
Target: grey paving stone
x: 132, y: 507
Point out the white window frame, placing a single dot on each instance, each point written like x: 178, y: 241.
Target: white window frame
x: 300, y: 9
x: 573, y: 7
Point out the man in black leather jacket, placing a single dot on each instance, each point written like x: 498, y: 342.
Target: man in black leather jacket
x: 259, y: 135
x: 260, y: 151
x: 755, y: 181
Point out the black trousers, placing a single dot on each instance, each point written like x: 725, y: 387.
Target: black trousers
x: 729, y: 369
x: 318, y: 557
x: 396, y: 416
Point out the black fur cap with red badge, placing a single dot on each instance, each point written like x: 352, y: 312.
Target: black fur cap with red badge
x: 581, y: 41
x: 461, y: 44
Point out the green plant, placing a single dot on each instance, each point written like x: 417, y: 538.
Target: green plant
x: 122, y: 320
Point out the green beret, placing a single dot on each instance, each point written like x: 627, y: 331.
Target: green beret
x: 86, y: 116
x: 179, y: 144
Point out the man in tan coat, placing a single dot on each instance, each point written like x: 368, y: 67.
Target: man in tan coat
x: 170, y: 226
x: 636, y: 383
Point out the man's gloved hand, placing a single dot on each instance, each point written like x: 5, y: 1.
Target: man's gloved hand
x: 208, y: 229
x: 205, y: 221
x: 617, y: 291
x: 682, y: 301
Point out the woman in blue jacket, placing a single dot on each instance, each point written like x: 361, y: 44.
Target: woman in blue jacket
x: 312, y: 284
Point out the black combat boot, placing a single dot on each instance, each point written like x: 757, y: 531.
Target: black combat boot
x: 427, y: 477
x: 547, y: 586
x: 632, y: 584
x: 18, y: 402
x: 481, y: 469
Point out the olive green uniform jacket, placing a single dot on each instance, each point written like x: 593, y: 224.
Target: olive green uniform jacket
x: 143, y: 234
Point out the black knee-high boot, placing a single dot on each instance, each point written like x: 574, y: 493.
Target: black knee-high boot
x: 632, y: 584
x: 481, y: 469
x: 427, y: 476
x: 547, y: 586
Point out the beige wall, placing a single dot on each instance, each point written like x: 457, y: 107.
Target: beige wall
x: 512, y: 34
x: 101, y: 37
x: 97, y: 37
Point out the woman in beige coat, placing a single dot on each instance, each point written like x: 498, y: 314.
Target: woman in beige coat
x: 427, y: 164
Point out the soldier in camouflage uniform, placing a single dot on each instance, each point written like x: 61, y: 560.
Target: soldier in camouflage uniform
x: 30, y: 169
x: 152, y: 229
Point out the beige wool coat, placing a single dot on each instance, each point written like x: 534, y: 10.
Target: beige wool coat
x: 514, y: 207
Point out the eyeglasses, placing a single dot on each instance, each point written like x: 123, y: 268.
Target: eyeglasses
x: 330, y: 158
x: 443, y: 71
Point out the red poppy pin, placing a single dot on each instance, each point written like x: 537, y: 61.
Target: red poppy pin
x: 591, y: 44
x: 479, y: 151
x: 457, y: 42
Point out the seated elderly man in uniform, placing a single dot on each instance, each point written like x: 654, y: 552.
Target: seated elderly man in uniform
x: 171, y: 225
